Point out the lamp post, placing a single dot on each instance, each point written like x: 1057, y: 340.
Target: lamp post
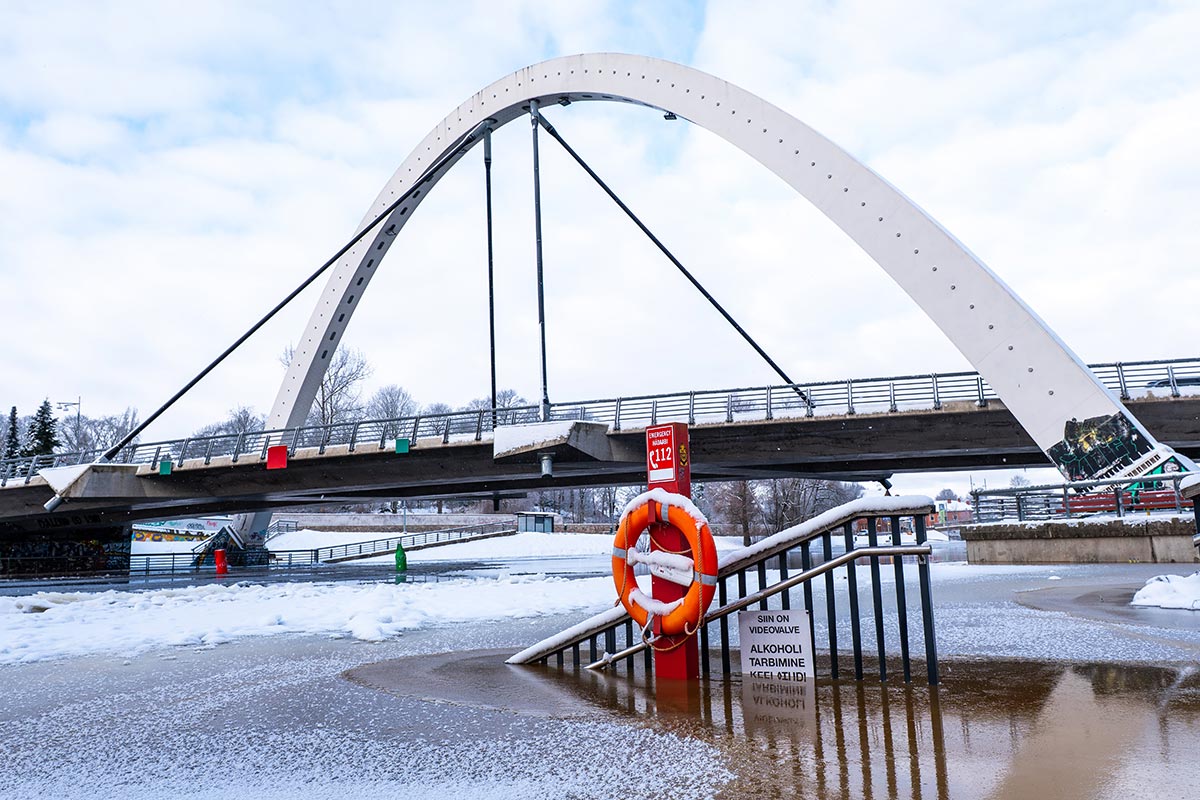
x: 78, y: 405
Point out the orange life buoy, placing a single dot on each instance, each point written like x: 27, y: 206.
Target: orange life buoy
x: 684, y: 616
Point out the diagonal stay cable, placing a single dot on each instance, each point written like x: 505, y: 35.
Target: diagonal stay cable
x: 450, y: 154
x: 550, y: 129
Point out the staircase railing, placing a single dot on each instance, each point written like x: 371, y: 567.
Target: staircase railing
x: 411, y: 541
x: 602, y: 635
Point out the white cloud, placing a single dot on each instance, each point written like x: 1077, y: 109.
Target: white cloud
x: 171, y: 170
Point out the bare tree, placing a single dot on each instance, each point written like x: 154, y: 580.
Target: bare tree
x: 339, y: 395
x: 79, y: 433
x: 391, y: 402
x: 789, y: 501
x: 736, y: 502
x: 946, y: 494
x: 239, y: 420
x: 440, y: 424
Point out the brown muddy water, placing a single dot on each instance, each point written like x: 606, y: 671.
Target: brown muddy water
x: 995, y: 729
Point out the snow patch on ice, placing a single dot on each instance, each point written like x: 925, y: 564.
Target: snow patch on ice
x: 1170, y: 591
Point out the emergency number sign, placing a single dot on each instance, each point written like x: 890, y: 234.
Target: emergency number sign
x: 660, y: 453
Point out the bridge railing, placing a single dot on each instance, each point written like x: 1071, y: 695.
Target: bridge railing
x: 611, y: 639
x: 1078, y: 499
x: 1171, y: 377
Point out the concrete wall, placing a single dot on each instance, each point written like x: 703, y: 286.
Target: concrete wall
x: 1152, y: 541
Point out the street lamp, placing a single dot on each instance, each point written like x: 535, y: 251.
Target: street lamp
x: 78, y: 405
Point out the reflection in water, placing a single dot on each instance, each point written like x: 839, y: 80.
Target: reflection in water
x: 999, y: 731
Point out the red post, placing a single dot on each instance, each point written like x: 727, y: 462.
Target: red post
x: 219, y: 560
x: 669, y: 467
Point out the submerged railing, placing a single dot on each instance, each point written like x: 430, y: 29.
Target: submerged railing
x: 611, y: 639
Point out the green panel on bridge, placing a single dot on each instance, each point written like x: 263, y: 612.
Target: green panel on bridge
x: 164, y: 468
x: 402, y: 445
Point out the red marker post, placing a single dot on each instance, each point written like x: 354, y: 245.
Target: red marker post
x: 669, y: 467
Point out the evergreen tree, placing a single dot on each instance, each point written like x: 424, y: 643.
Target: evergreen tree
x: 43, y: 434
x: 12, y: 440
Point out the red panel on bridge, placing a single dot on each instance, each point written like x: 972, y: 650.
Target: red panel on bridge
x: 277, y: 457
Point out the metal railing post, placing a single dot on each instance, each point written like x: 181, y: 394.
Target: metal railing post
x: 1121, y: 381
x: 892, y: 397
x: 691, y: 408
x: 926, y: 605
x: 770, y: 415
x: 830, y: 604
x: 937, y: 398
x: 901, y: 602
x: 617, y: 416
x: 982, y: 401
x: 850, y: 402
x: 729, y: 408
x: 877, y: 595
x: 852, y: 590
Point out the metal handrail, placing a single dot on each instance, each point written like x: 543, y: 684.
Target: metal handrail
x: 776, y: 588
x: 855, y: 396
x: 375, y: 547
x: 1068, y: 500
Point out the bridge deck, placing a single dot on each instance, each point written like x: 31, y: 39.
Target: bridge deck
x: 849, y: 447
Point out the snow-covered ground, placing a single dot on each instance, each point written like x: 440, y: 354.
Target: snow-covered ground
x: 970, y: 599
x: 49, y: 625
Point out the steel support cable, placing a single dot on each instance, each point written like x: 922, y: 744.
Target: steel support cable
x: 550, y: 129
x: 487, y: 180
x: 450, y: 155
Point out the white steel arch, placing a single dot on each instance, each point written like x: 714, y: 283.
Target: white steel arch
x: 1057, y: 399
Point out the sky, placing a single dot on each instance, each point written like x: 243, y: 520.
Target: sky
x: 169, y: 171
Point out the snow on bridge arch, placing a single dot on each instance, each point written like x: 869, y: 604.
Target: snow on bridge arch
x: 1071, y: 416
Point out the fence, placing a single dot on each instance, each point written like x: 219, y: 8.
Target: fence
x: 1119, y: 496
x: 411, y: 541
x: 611, y: 640
x: 1168, y: 377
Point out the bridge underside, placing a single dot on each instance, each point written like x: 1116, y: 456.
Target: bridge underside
x: 854, y: 448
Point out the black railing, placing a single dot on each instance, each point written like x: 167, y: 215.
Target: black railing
x: 611, y: 639
x: 1149, y: 494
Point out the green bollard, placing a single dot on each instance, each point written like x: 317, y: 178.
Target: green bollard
x: 401, y: 560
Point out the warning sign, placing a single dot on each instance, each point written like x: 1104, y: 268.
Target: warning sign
x: 776, y: 645
x: 660, y: 454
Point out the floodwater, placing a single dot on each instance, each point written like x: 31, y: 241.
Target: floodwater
x: 997, y: 730
x: 1052, y: 687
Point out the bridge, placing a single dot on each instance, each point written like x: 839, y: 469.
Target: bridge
x: 854, y: 429
x: 1032, y: 402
